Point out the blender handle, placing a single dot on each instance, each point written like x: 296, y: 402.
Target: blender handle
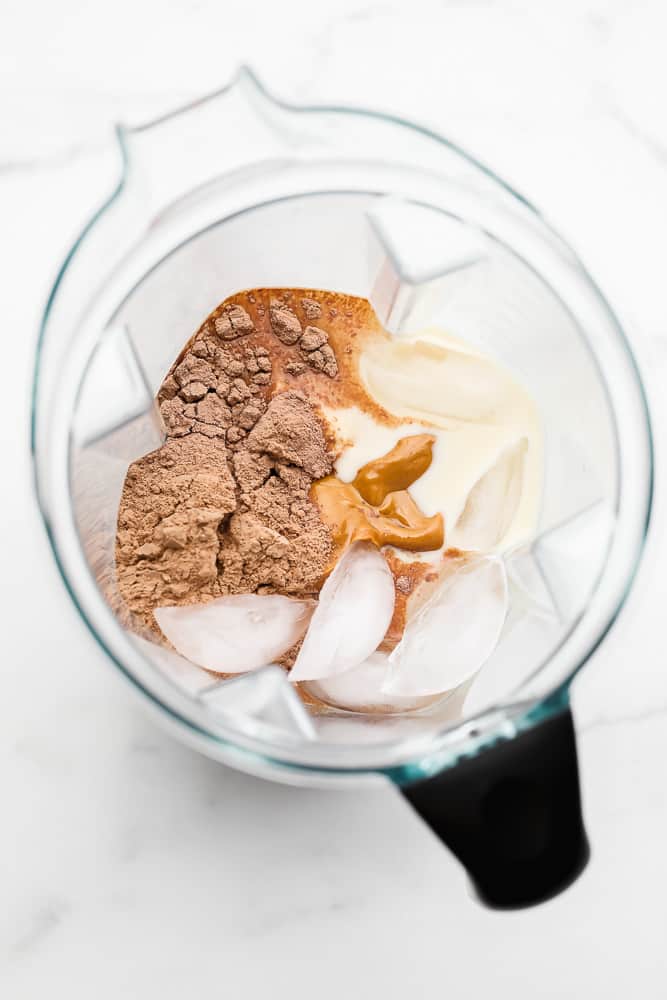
x: 512, y: 814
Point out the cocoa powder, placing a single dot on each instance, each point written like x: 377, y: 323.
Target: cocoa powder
x: 223, y: 506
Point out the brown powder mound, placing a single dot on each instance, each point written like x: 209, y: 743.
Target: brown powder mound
x: 290, y: 432
x: 277, y: 540
x: 218, y: 386
x: 214, y: 512
x: 256, y: 558
x: 172, y: 505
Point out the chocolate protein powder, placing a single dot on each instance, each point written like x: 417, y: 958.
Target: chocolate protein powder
x: 223, y: 506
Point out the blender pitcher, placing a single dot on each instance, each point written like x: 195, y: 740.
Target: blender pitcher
x: 239, y: 190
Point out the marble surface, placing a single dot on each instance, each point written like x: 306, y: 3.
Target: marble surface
x: 129, y: 865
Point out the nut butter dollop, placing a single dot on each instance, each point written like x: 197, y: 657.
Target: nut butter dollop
x: 377, y: 507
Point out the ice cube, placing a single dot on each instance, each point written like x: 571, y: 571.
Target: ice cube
x: 234, y: 634
x: 453, y: 634
x: 352, y: 616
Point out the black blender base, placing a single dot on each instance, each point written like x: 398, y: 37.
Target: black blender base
x: 512, y: 815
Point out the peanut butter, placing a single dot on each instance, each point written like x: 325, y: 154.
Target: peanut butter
x: 377, y: 507
x: 399, y: 468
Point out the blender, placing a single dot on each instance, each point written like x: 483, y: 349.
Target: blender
x: 240, y: 190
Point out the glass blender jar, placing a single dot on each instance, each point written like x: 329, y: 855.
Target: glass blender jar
x: 240, y: 190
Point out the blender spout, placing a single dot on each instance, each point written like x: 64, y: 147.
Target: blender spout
x: 512, y: 815
x: 187, y: 149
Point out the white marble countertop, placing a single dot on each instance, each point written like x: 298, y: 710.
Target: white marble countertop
x: 129, y: 865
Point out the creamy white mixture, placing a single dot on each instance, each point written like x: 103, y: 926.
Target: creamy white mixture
x: 486, y: 474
